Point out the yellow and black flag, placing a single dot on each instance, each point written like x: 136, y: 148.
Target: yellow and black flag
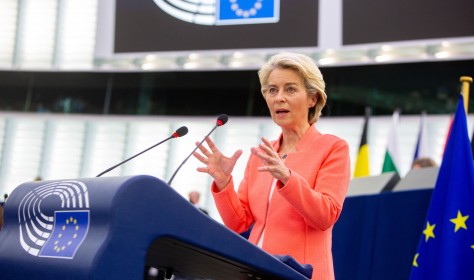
x: 362, y: 162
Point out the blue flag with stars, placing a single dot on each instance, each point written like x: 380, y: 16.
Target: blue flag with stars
x: 446, y: 246
x: 70, y: 229
x: 247, y: 11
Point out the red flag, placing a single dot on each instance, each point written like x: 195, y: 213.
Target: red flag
x: 449, y: 131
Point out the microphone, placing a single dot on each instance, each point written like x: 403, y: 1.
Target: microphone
x: 178, y: 133
x: 221, y: 120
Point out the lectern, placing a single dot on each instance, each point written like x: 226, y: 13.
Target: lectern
x: 418, y: 179
x: 111, y: 227
x: 373, y: 184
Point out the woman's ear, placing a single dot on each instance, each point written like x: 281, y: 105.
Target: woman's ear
x: 314, y: 100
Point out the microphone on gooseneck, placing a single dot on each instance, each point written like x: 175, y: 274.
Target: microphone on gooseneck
x: 178, y: 133
x: 221, y: 120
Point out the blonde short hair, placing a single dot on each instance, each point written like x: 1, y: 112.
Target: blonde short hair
x: 306, y: 67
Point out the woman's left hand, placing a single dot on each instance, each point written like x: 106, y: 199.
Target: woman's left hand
x: 272, y: 162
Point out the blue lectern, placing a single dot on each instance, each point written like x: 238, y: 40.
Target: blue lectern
x: 111, y: 227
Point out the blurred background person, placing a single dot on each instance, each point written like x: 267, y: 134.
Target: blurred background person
x: 2, y: 205
x: 194, y: 199
x: 423, y: 162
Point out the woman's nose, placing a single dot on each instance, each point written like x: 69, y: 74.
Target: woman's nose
x: 280, y: 95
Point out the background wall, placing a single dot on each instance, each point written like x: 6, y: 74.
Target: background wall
x: 58, y: 56
x: 79, y: 146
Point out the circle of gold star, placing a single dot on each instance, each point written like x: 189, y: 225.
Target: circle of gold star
x: 245, y: 13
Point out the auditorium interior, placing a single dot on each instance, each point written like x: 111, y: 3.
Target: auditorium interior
x: 85, y: 85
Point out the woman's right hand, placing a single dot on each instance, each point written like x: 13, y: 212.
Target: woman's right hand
x: 218, y: 166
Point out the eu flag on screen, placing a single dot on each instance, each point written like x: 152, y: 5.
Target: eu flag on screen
x: 446, y: 246
x: 247, y: 11
x: 70, y: 229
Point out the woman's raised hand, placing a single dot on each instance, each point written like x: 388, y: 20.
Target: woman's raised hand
x: 271, y: 160
x: 218, y: 166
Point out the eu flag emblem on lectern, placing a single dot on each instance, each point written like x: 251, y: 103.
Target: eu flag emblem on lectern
x: 70, y: 229
x: 247, y: 11
x: 446, y: 246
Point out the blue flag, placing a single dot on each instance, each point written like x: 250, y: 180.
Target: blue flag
x: 446, y: 247
x: 247, y: 12
x: 422, y: 149
x: 70, y: 229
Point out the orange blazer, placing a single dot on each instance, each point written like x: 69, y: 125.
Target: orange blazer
x: 300, y: 217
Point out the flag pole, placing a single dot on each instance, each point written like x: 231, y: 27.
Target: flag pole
x: 465, y: 80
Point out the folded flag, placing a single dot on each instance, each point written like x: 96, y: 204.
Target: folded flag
x: 446, y: 246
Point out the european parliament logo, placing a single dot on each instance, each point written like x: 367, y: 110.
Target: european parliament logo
x: 70, y: 229
x: 54, y: 219
x: 222, y: 12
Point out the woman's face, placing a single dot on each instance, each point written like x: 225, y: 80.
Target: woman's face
x: 287, y: 98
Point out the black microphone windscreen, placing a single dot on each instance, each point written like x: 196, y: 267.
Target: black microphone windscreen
x: 222, y: 119
x: 181, y: 132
